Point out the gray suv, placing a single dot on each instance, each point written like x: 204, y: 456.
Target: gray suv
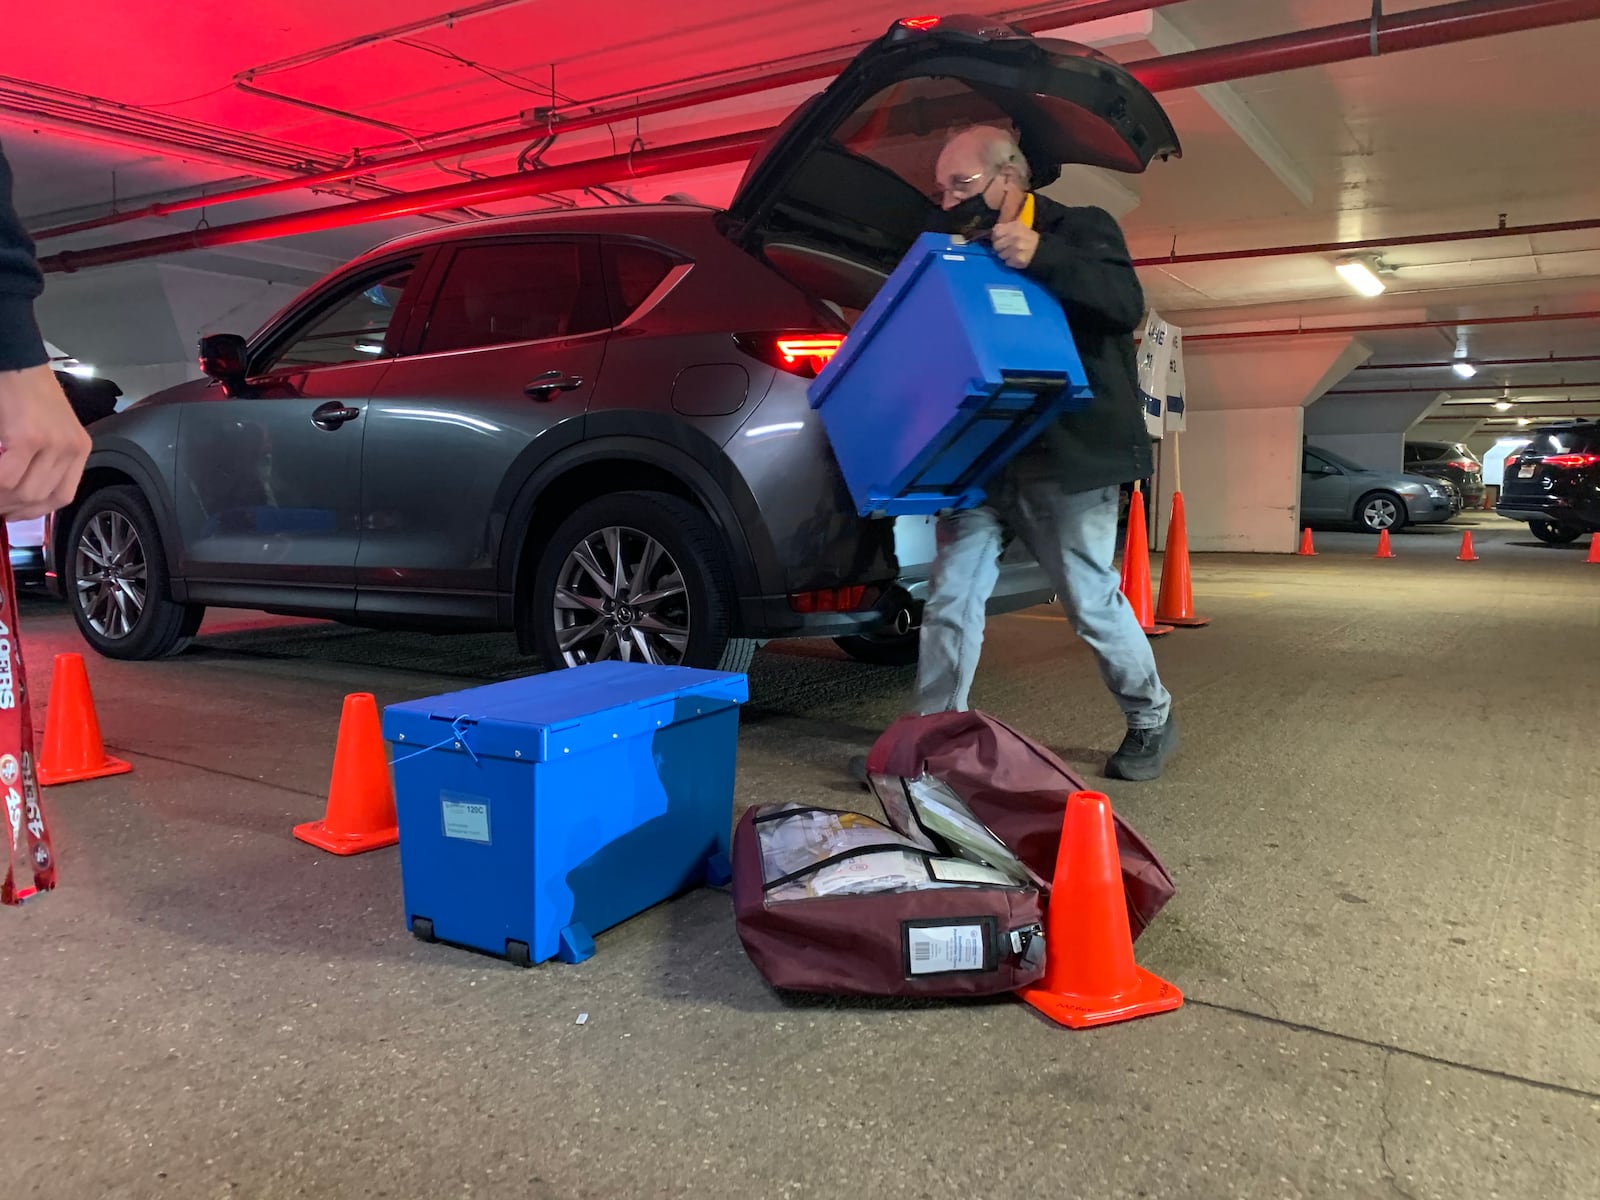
x: 590, y: 427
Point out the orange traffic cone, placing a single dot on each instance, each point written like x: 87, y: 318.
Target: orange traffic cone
x: 1136, y: 569
x: 1307, y: 548
x: 1594, y: 549
x: 1384, y: 549
x: 1090, y: 977
x: 360, y: 812
x: 1176, y: 606
x: 1468, y: 554
x: 72, y: 748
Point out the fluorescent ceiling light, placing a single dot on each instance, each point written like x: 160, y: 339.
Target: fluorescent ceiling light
x: 81, y: 370
x: 1523, y: 422
x: 1361, y: 277
x: 1502, y: 406
x: 1463, y: 368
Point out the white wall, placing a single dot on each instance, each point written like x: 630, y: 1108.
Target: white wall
x: 1241, y: 478
x: 139, y: 324
x: 1377, y: 451
x: 1371, y: 430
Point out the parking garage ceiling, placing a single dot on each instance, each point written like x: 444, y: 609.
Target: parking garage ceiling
x: 114, y: 111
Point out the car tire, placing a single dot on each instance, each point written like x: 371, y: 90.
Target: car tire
x: 882, y: 649
x: 686, y: 580
x: 1553, y: 534
x: 116, y: 579
x: 1381, y: 510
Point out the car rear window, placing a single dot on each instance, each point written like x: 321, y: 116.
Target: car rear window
x: 1563, y: 441
x: 634, y: 272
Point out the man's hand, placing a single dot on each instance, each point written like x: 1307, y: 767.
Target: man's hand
x: 42, y: 444
x: 1015, y: 243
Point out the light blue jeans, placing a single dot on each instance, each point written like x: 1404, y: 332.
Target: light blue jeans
x: 1073, y: 536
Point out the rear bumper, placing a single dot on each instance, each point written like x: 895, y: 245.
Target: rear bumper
x: 1021, y: 585
x: 1553, y: 509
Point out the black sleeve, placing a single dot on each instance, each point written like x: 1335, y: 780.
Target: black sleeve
x: 20, y: 284
x: 1085, y: 262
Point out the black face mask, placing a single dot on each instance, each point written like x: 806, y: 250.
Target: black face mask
x: 970, y: 219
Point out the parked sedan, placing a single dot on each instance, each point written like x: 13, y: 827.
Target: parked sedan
x: 1332, y: 488
x: 591, y: 426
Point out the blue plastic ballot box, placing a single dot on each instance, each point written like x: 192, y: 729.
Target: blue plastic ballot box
x: 958, y: 363
x: 538, y: 812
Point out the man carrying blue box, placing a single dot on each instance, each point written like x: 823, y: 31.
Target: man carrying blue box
x: 1060, y: 495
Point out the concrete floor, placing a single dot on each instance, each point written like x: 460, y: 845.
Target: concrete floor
x: 1382, y: 827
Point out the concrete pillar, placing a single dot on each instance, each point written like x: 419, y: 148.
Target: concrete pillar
x: 1370, y: 430
x: 1240, y: 456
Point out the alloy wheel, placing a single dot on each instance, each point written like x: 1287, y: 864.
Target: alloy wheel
x: 620, y: 595
x: 1381, y: 513
x: 111, y: 574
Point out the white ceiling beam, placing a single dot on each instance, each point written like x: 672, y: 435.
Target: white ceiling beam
x: 1235, y: 110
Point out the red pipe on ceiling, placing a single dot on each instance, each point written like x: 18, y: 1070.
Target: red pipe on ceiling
x: 1381, y: 34
x: 1409, y: 239
x: 1379, y: 327
x: 1552, y: 359
x: 690, y: 156
x: 1419, y: 27
x: 1519, y: 388
x: 577, y: 117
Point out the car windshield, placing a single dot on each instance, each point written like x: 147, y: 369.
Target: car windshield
x: 1338, y: 460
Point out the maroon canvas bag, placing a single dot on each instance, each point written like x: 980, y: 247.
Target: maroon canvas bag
x: 866, y: 945
x: 1019, y: 790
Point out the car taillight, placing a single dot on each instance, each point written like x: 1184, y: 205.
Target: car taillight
x: 920, y: 24
x: 1465, y: 464
x: 834, y: 600
x: 1572, y: 461
x: 802, y: 354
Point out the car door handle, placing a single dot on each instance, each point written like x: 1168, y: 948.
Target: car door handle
x: 333, y: 414
x: 544, y: 387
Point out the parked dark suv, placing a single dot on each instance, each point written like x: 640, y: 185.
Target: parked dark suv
x: 590, y: 427
x: 1553, y: 483
x: 1448, y: 460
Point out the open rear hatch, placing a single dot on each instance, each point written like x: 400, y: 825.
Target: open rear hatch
x: 843, y: 188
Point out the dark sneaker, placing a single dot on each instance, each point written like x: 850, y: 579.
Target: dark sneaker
x: 1144, y: 752
x: 857, y: 768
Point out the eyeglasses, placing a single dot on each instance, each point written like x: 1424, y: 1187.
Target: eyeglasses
x: 963, y: 189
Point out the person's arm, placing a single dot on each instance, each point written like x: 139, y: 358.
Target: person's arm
x: 42, y: 443
x: 1086, y: 264
x: 20, y: 284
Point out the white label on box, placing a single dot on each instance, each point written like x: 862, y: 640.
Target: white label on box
x: 955, y: 258
x: 933, y: 949
x: 1009, y: 302
x: 465, y: 817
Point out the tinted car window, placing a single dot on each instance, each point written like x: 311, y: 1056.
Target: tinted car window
x: 351, y: 327
x: 512, y: 292
x: 1564, y: 441
x: 635, y: 271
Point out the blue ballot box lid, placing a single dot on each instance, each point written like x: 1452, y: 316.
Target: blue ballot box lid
x: 545, y: 717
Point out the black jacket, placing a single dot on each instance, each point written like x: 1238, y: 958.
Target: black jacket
x: 1084, y: 261
x: 20, y: 285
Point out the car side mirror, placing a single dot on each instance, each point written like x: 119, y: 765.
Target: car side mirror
x: 225, y: 358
